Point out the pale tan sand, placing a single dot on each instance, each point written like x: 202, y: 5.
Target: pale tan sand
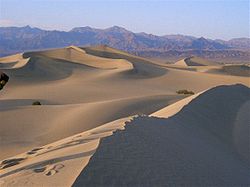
x: 77, y: 55
x: 13, y: 61
x: 80, y: 91
x: 59, y: 163
x: 48, y: 123
x: 181, y: 63
x: 174, y: 108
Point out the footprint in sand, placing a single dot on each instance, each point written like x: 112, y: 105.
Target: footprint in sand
x: 49, y: 170
x: 11, y: 162
x: 34, y: 151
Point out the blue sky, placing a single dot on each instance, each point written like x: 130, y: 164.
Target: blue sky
x: 222, y: 19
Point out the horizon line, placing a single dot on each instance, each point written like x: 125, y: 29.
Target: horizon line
x: 87, y: 26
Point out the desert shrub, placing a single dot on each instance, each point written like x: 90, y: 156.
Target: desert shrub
x: 3, y: 76
x: 184, y: 92
x: 36, y: 103
x: 2, y: 84
x: 3, y: 80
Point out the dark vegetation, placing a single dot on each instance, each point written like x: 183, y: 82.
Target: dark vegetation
x: 36, y: 103
x: 185, y: 92
x: 3, y: 80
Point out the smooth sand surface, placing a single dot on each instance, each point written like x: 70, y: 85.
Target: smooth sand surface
x: 81, y: 89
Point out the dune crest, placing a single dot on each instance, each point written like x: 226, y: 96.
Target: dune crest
x: 205, y: 66
x: 78, y: 55
x: 56, y: 159
x: 189, y: 148
x: 13, y: 61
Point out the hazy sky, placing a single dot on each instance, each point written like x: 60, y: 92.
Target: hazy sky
x: 222, y: 19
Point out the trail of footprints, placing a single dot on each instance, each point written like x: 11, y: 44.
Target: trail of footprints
x: 51, y: 169
x: 11, y: 162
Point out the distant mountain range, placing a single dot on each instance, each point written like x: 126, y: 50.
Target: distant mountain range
x: 19, y: 39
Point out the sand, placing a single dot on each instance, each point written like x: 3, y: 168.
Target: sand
x: 205, y: 66
x: 194, y: 147
x: 86, y: 94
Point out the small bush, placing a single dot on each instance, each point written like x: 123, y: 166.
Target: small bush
x: 3, y: 80
x: 36, y: 103
x: 2, y: 84
x: 184, y: 92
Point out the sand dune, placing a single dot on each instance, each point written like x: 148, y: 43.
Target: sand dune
x: 236, y: 70
x: 56, y: 159
x: 181, y: 150
x: 46, y: 124
x: 77, y: 55
x: 56, y: 164
x: 195, y: 61
x: 215, y: 104
x: 181, y: 63
x: 175, y: 108
x: 142, y: 67
x: 81, y: 89
x: 204, y: 66
x: 13, y: 61
x: 40, y: 68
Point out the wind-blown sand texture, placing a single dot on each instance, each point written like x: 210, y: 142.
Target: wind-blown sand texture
x: 88, y: 93
x: 195, y: 147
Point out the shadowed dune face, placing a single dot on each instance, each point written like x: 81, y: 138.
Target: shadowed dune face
x: 241, y: 70
x: 58, y: 64
x: 154, y: 151
x: 41, y: 68
x: 196, y: 61
x: 201, y: 65
x: 142, y: 67
x: 78, y: 55
x: 195, y: 147
x: 219, y: 110
x: 241, y: 132
x: 220, y: 105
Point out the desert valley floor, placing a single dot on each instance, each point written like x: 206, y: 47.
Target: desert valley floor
x: 109, y: 118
